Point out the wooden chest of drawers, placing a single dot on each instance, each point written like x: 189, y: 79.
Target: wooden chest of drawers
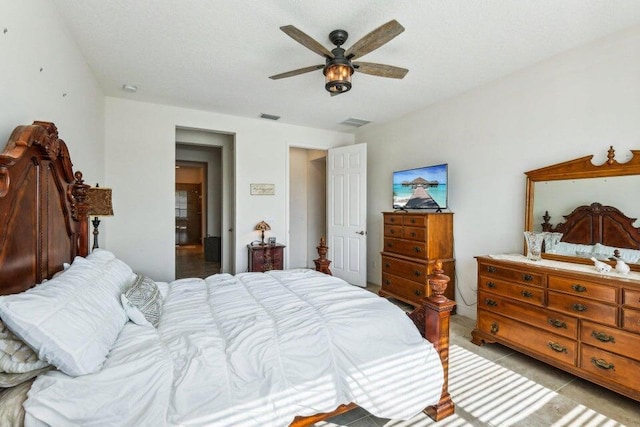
x: 587, y: 324
x: 413, y: 242
x: 265, y: 257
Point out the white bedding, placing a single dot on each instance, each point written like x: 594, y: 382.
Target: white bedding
x: 251, y: 350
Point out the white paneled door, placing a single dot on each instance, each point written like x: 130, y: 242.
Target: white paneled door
x: 347, y: 213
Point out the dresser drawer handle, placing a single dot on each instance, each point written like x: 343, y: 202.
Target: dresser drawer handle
x: 601, y: 336
x: 389, y: 245
x: 557, y: 323
x: 413, y: 220
x: 392, y: 231
x: 392, y: 219
x: 414, y: 234
x: 387, y: 281
x: 416, y: 249
x: 490, y: 302
x: 557, y: 347
x: 527, y: 277
x: 491, y: 269
x: 494, y: 328
x: 578, y: 288
x: 417, y: 273
x: 602, y: 364
x: 491, y: 285
x: 526, y: 294
x: 387, y: 265
x: 417, y: 292
x: 579, y: 307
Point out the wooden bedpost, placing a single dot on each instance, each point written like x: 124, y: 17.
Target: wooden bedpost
x: 432, y: 319
x: 81, y: 212
x: 322, y: 263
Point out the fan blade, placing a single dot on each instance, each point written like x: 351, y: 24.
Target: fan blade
x: 374, y: 39
x: 296, y: 72
x: 306, y: 41
x: 380, y: 70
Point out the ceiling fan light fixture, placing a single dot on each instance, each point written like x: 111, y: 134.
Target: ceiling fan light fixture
x: 338, y: 76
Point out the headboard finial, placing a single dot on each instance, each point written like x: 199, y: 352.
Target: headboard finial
x: 610, y: 155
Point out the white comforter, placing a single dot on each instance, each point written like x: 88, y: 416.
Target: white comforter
x: 251, y: 350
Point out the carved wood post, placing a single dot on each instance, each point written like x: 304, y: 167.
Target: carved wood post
x: 432, y: 319
x: 322, y: 263
x: 81, y: 213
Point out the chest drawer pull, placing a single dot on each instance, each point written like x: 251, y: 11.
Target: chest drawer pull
x: 601, y: 336
x: 392, y: 219
x: 491, y: 285
x: 602, y: 364
x: 416, y: 249
x: 491, y: 269
x: 579, y: 307
x: 389, y: 245
x: 490, y: 302
x: 526, y: 294
x: 417, y: 273
x: 387, y: 281
x: 417, y: 292
x: 414, y: 234
x: 557, y: 323
x: 556, y: 347
x: 494, y: 328
x: 578, y: 288
x: 387, y: 265
x: 527, y: 277
x: 413, y: 220
x: 392, y: 231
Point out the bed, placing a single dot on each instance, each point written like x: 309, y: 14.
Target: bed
x: 272, y: 348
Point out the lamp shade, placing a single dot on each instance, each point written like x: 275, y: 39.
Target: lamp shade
x: 99, y: 201
x: 262, y: 226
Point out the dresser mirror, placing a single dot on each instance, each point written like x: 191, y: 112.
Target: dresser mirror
x: 589, y: 210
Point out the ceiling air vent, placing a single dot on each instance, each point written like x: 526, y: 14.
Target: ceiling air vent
x: 355, y: 122
x: 269, y: 116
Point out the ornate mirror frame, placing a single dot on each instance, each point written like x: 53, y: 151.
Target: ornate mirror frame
x: 580, y: 168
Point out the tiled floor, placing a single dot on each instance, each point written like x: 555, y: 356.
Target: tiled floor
x: 190, y: 262
x: 569, y: 392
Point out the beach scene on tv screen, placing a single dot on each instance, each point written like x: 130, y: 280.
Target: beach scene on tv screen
x: 421, y: 188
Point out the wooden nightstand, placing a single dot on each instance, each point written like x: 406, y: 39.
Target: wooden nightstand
x: 265, y: 257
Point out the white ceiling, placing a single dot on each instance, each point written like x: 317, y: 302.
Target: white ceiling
x: 217, y: 55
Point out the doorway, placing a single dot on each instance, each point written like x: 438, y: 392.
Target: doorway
x: 212, y: 251
x: 307, y: 205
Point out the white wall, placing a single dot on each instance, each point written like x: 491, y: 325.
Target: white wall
x: 140, y: 155
x: 575, y: 104
x: 44, y: 77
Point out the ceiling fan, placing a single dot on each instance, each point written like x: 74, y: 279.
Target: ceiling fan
x: 338, y: 66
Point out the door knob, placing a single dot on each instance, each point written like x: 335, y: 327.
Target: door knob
x: 362, y: 233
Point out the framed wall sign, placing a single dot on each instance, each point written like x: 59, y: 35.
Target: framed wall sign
x: 262, y: 189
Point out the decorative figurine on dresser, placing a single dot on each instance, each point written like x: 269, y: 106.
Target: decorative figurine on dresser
x: 578, y: 308
x: 413, y: 241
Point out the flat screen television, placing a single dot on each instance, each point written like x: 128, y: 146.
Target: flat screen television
x: 421, y: 188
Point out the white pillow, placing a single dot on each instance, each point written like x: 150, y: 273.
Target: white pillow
x: 72, y: 320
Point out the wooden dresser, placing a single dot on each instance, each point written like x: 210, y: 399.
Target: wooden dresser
x: 584, y: 323
x: 413, y: 242
x: 265, y: 257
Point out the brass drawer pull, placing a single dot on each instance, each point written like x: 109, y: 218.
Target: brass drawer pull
x: 602, y: 364
x: 601, y: 336
x: 557, y: 323
x: 491, y: 285
x: 387, y: 281
x: 491, y: 269
x: 392, y: 231
x: 417, y: 292
x: 490, y: 302
x: 387, y: 265
x: 527, y: 277
x: 414, y: 234
x: 417, y: 273
x: 413, y: 220
x: 494, y: 328
x: 557, y: 347
x: 416, y: 249
x: 579, y: 307
x: 392, y: 219
x: 389, y: 245
x: 578, y: 288
x: 526, y: 294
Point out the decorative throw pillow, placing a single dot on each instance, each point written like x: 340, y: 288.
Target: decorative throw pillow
x: 143, y: 302
x: 15, y: 356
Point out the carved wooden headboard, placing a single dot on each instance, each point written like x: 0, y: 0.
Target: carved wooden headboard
x: 43, y: 214
x: 595, y: 223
